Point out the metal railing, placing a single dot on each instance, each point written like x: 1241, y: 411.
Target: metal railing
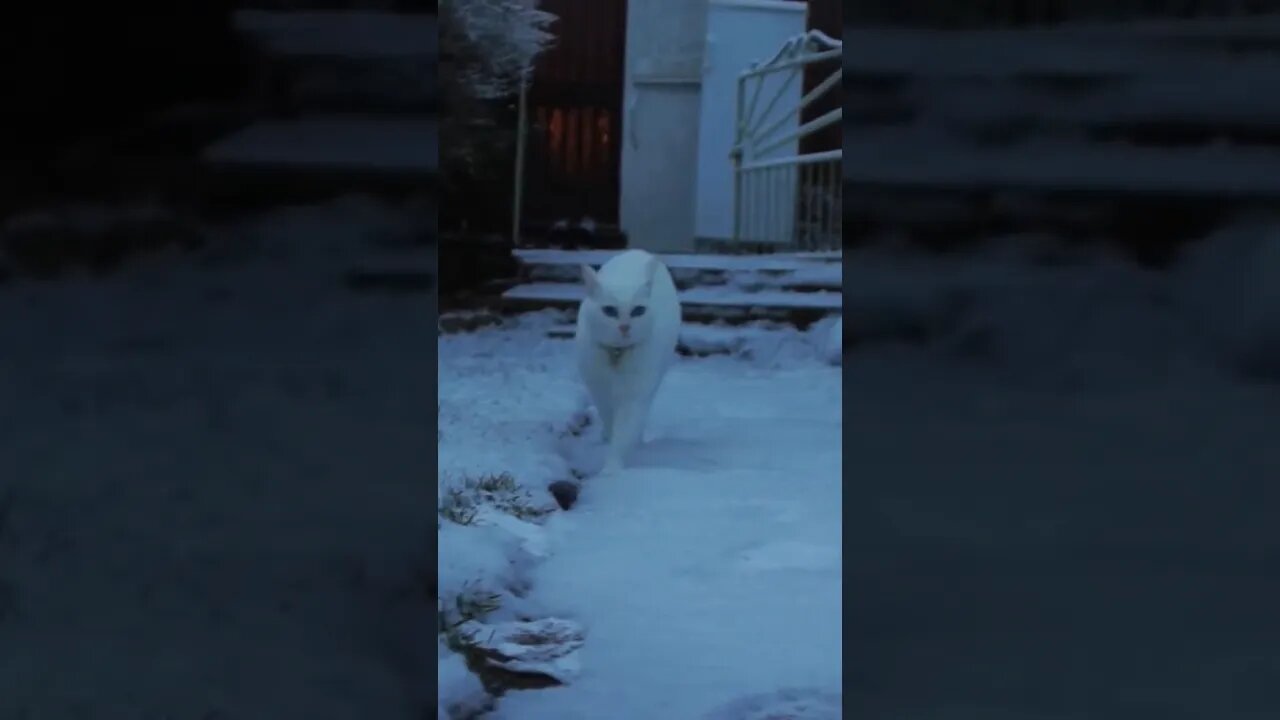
x: 785, y: 199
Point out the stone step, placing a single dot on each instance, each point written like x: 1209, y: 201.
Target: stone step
x: 568, y: 294
x: 701, y: 304
x: 820, y: 277
x: 788, y: 273
x: 778, y: 262
x: 701, y: 340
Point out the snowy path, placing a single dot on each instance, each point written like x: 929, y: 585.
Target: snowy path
x: 712, y: 569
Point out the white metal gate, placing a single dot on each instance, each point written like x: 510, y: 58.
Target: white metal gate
x: 784, y: 199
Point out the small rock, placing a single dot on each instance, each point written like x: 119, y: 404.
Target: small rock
x: 565, y: 493
x: 546, y: 647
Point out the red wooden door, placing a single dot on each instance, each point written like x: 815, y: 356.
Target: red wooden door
x: 574, y: 150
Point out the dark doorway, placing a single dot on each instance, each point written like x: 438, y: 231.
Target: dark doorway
x: 574, y: 151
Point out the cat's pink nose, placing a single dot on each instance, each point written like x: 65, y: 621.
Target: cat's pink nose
x: 624, y: 329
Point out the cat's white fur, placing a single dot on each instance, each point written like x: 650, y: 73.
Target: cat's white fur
x: 623, y: 356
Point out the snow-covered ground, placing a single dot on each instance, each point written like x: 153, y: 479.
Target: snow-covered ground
x: 504, y: 400
x: 706, y: 575
x: 214, y: 483
x: 1050, y: 449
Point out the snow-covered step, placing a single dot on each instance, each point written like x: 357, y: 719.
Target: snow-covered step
x: 806, y: 272
x: 816, y: 279
x: 780, y: 262
x: 691, y: 334
x: 808, y: 277
x: 701, y: 339
x: 710, y: 297
x: 389, y: 146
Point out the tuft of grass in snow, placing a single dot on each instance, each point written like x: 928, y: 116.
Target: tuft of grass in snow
x: 463, y: 501
x: 465, y: 633
x: 462, y: 615
x: 472, y: 603
x: 469, y: 606
x: 458, y: 507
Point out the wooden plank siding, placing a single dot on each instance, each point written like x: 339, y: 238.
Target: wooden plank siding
x: 574, y: 151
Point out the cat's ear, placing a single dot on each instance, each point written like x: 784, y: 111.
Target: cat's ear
x: 651, y: 268
x: 590, y: 281
x: 650, y: 272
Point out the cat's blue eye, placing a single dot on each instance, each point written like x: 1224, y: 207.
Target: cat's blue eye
x: 609, y: 310
x: 637, y: 311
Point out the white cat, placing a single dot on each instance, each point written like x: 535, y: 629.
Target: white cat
x: 628, y: 325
